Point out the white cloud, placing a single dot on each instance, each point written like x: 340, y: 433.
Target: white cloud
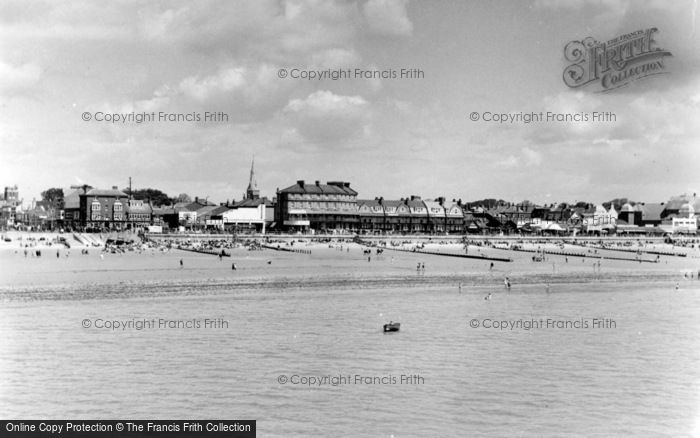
x: 388, y: 17
x: 324, y: 117
x: 226, y: 80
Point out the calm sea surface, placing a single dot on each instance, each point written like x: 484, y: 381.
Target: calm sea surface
x: 638, y: 375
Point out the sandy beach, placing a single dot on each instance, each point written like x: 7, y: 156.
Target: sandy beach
x: 62, y: 272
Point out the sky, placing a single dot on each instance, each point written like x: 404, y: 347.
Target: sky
x: 390, y: 137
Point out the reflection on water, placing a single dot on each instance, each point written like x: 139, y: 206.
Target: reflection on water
x: 640, y: 378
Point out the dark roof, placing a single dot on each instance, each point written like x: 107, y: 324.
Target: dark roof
x: 332, y: 187
x: 390, y: 203
x: 373, y: 204
x: 163, y: 211
x: 416, y: 203
x: 253, y: 203
x: 139, y: 207
x: 105, y: 192
x: 220, y: 210
x: 72, y: 200
x: 652, y: 211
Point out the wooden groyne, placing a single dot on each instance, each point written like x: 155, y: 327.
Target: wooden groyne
x: 205, y: 251
x: 575, y: 254
x: 447, y: 254
x: 637, y: 251
x: 296, y: 250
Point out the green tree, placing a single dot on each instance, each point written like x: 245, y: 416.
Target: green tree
x: 53, y: 197
x: 156, y: 197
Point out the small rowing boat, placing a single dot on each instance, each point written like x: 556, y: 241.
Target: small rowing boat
x: 392, y: 327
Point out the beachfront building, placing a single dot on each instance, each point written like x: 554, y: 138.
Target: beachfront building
x: 454, y: 216
x: 247, y: 216
x: 371, y: 215
x: 397, y: 217
x: 103, y: 209
x: 419, y: 214
x: 631, y: 214
x: 9, y: 206
x: 139, y: 214
x: 600, y: 220
x: 437, y: 220
x: 188, y: 212
x: 317, y: 207
x: 683, y: 222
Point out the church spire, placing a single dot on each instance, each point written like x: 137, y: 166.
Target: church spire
x: 252, y: 192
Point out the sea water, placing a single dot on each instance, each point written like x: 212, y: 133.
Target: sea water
x: 313, y: 361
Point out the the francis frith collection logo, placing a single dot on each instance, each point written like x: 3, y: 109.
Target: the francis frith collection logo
x: 614, y: 63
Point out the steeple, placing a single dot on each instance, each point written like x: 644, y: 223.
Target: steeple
x: 252, y: 192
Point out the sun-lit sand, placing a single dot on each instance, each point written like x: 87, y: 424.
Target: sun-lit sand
x: 327, y: 266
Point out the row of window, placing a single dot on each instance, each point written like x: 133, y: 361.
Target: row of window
x: 324, y: 205
x: 96, y: 206
x: 324, y: 197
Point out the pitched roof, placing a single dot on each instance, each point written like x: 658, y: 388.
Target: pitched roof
x: 375, y: 208
x: 72, y: 200
x: 652, y: 211
x: 139, y: 207
x: 253, y: 203
x: 105, y: 192
x: 163, y: 211
x: 220, y: 210
x: 332, y: 187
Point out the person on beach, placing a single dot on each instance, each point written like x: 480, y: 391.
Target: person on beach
x: 506, y: 281
x: 25, y: 253
x: 181, y: 264
x: 488, y: 297
x: 233, y: 266
x: 491, y: 267
x: 58, y: 254
x: 422, y: 267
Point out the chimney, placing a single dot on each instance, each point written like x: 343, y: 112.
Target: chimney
x: 115, y: 188
x: 301, y: 183
x: 318, y: 183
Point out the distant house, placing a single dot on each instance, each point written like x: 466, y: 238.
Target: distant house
x: 371, y: 213
x: 322, y: 207
x: 103, y: 208
x: 454, y: 216
x: 683, y: 222
x: 651, y: 214
x: 600, y: 219
x: 249, y: 215
x: 139, y: 214
x: 437, y: 219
